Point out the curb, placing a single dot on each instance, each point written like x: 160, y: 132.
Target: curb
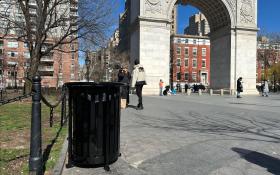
x: 62, y: 157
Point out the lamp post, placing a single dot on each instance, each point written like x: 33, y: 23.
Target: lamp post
x: 87, y: 62
x: 274, y: 81
x: 15, y: 75
x: 26, y: 74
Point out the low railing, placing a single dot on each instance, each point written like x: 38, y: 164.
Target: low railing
x: 36, y: 164
x: 36, y: 157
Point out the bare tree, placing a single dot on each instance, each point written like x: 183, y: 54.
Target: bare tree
x: 268, y: 52
x: 47, y: 24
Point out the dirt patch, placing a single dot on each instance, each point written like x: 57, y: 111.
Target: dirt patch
x: 16, y: 140
x: 15, y: 166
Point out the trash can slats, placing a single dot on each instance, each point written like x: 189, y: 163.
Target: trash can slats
x: 94, y: 123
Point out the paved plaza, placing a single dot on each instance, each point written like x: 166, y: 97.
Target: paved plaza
x: 198, y: 135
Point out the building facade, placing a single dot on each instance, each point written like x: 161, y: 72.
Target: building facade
x: 55, y: 69
x: 268, y: 55
x: 124, y: 28
x: 190, y: 60
x: 198, y: 25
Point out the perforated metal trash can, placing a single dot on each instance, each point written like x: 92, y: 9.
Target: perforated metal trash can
x: 94, y: 123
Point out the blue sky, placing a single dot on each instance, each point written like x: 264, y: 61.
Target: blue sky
x: 268, y: 15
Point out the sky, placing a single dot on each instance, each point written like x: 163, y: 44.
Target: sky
x: 268, y: 15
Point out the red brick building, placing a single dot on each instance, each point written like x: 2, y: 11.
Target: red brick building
x: 190, y: 59
x: 55, y: 69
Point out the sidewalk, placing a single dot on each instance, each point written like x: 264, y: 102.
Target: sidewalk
x: 198, y: 135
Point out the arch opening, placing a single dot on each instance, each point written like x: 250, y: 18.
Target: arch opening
x: 215, y: 11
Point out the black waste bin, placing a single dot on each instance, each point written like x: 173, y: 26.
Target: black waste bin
x: 94, y: 123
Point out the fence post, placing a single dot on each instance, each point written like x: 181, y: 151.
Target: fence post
x: 1, y: 94
x: 211, y: 92
x: 35, y: 159
x: 188, y: 92
x: 232, y: 92
x: 222, y: 92
x: 63, y: 107
x: 199, y: 92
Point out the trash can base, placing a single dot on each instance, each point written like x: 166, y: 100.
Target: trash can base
x: 93, y: 163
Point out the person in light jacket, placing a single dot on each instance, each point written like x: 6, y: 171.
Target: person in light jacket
x: 138, y: 81
x: 265, y: 88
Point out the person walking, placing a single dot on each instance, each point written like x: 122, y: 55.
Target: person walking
x: 265, y: 88
x: 124, y: 77
x: 138, y: 81
x: 161, y: 87
x: 239, y: 87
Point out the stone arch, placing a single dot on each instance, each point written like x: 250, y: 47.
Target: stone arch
x: 219, y: 13
x: 233, y: 37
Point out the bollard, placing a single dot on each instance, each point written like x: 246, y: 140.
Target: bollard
x: 232, y: 92
x: 35, y: 159
x: 222, y: 92
x: 189, y: 92
x: 199, y: 92
x: 1, y: 95
x: 211, y: 92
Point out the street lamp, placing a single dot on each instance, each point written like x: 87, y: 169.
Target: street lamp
x: 87, y: 62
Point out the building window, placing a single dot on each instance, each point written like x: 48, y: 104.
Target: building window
x: 204, y: 52
x: 262, y: 66
x: 72, y: 76
x: 186, y: 52
x: 178, y: 61
x: 72, y: 67
x: 186, y: 76
x: 12, y: 54
x: 204, y: 42
x: 195, y: 52
x: 12, y: 44
x: 194, y: 63
x: 73, y: 56
x: 25, y: 45
x: 186, y: 62
x: 194, y: 41
x: 26, y: 55
x: 203, y: 65
x: 194, y: 76
x: 179, y: 40
x: 178, y: 51
x: 178, y: 76
x: 187, y: 41
x: 72, y: 47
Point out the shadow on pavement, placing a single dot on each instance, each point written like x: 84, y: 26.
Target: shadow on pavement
x: 263, y: 160
x: 230, y: 124
x: 132, y: 106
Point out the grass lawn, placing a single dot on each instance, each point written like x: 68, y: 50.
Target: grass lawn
x: 15, y: 121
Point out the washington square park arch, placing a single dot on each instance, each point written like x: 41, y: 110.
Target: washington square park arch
x: 233, y: 25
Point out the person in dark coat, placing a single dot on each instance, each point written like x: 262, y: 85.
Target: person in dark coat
x: 124, y: 77
x: 239, y: 87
